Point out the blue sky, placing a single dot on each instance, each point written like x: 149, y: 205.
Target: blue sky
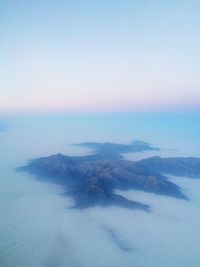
x: 99, y: 55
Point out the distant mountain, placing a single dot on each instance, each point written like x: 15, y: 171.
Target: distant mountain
x: 113, y: 148
x: 91, y: 180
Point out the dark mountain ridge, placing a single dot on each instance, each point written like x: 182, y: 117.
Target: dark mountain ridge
x: 181, y: 166
x: 91, y: 180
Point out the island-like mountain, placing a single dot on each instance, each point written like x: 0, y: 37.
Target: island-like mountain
x: 113, y: 148
x: 91, y: 180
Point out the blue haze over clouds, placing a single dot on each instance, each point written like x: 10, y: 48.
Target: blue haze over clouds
x: 38, y: 230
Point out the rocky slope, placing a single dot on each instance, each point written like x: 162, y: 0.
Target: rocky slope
x: 91, y: 180
x: 180, y: 166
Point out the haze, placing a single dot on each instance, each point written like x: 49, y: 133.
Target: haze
x: 99, y: 56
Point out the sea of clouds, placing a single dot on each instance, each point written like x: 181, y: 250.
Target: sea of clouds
x: 39, y: 229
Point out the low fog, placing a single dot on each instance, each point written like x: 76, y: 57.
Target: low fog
x: 39, y: 229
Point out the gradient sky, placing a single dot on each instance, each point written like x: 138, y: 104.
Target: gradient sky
x: 100, y: 55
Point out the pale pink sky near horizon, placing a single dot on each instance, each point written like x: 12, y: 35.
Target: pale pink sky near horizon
x: 103, y: 56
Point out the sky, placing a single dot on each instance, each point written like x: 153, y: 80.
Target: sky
x: 99, y: 55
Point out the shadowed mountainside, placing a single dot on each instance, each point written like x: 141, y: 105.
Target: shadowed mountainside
x: 91, y: 180
x: 180, y: 166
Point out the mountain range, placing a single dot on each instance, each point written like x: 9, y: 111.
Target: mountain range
x: 92, y: 179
